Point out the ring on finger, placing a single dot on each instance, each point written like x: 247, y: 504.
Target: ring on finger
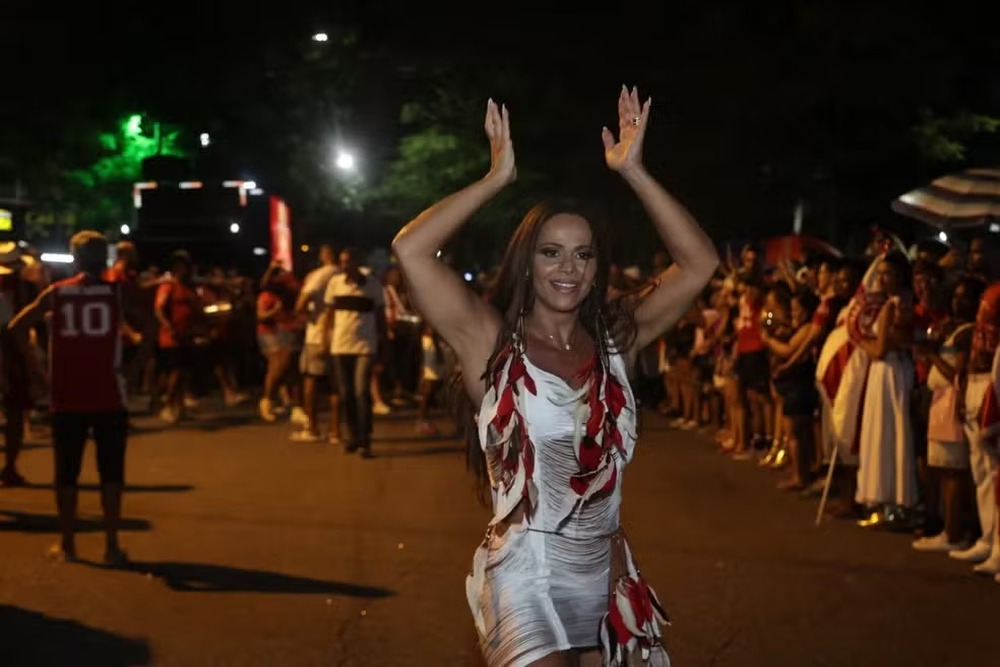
x: 636, y: 119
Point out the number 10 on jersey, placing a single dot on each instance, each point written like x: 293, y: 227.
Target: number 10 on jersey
x: 85, y: 319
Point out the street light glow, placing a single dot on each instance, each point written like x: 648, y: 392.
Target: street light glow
x: 234, y: 228
x: 320, y: 37
x: 126, y: 230
x: 345, y: 161
x: 205, y: 139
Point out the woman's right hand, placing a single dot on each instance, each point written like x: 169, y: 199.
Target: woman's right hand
x: 502, y: 167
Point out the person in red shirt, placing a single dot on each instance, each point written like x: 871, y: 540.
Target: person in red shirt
x: 982, y: 460
x: 180, y: 313
x: 218, y: 298
x: 752, y: 364
x: 87, y: 393
x: 278, y: 327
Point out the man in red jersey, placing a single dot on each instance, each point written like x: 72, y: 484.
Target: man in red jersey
x: 87, y: 393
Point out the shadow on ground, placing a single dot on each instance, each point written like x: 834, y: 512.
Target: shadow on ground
x: 383, y: 453
x: 129, y: 488
x: 207, y: 578
x: 30, y: 638
x: 27, y: 522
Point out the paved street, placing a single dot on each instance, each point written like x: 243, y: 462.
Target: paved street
x: 251, y: 550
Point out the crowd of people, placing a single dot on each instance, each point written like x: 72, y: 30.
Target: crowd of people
x: 882, y: 363
x: 886, y: 364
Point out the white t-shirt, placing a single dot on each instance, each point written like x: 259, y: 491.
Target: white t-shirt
x: 314, y: 289
x: 354, y: 306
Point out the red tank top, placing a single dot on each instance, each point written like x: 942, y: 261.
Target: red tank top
x: 86, y: 346
x: 748, y: 338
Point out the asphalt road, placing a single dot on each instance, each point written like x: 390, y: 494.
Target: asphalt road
x: 251, y: 550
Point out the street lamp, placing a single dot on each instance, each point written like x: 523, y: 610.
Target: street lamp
x: 125, y: 230
x: 320, y: 37
x: 345, y: 161
x: 234, y: 228
x: 205, y: 139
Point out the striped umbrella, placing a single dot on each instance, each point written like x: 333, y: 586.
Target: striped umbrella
x: 965, y: 200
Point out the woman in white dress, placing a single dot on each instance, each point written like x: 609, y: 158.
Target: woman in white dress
x: 887, y: 473
x: 546, y: 361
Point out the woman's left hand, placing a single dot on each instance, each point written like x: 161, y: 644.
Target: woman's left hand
x: 626, y: 154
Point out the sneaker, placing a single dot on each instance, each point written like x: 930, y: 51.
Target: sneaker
x: 266, y: 410
x: 190, y: 402
x: 381, y: 409
x: 305, y: 435
x: 977, y: 553
x: 57, y: 554
x: 689, y: 425
x: 169, y: 416
x: 299, y: 417
x: 938, y: 542
x: 236, y: 398
x: 990, y: 566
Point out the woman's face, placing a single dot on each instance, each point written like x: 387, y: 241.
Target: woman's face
x: 888, y: 278
x: 824, y: 278
x: 963, y: 307
x: 564, y: 263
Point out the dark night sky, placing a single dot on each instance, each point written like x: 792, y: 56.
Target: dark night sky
x: 695, y: 58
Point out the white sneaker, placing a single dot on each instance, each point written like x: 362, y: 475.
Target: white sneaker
x: 305, y: 435
x: 266, y: 410
x: 381, y: 409
x: 938, y: 542
x: 989, y: 566
x: 234, y: 399
x: 169, y: 416
x: 977, y: 553
x: 299, y: 417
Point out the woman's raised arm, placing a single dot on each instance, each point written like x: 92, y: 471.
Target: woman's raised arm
x: 467, y: 323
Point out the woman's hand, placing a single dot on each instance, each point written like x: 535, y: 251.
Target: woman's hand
x: 502, y: 167
x: 626, y: 154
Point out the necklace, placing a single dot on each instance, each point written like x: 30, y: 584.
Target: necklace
x: 565, y: 346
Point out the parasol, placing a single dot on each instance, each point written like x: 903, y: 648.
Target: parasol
x: 965, y: 200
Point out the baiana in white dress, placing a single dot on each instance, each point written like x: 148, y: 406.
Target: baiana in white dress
x: 542, y: 584
x: 887, y: 471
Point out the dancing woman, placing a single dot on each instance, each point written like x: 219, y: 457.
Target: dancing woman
x: 546, y: 361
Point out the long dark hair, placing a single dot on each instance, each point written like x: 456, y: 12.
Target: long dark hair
x: 512, y: 294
